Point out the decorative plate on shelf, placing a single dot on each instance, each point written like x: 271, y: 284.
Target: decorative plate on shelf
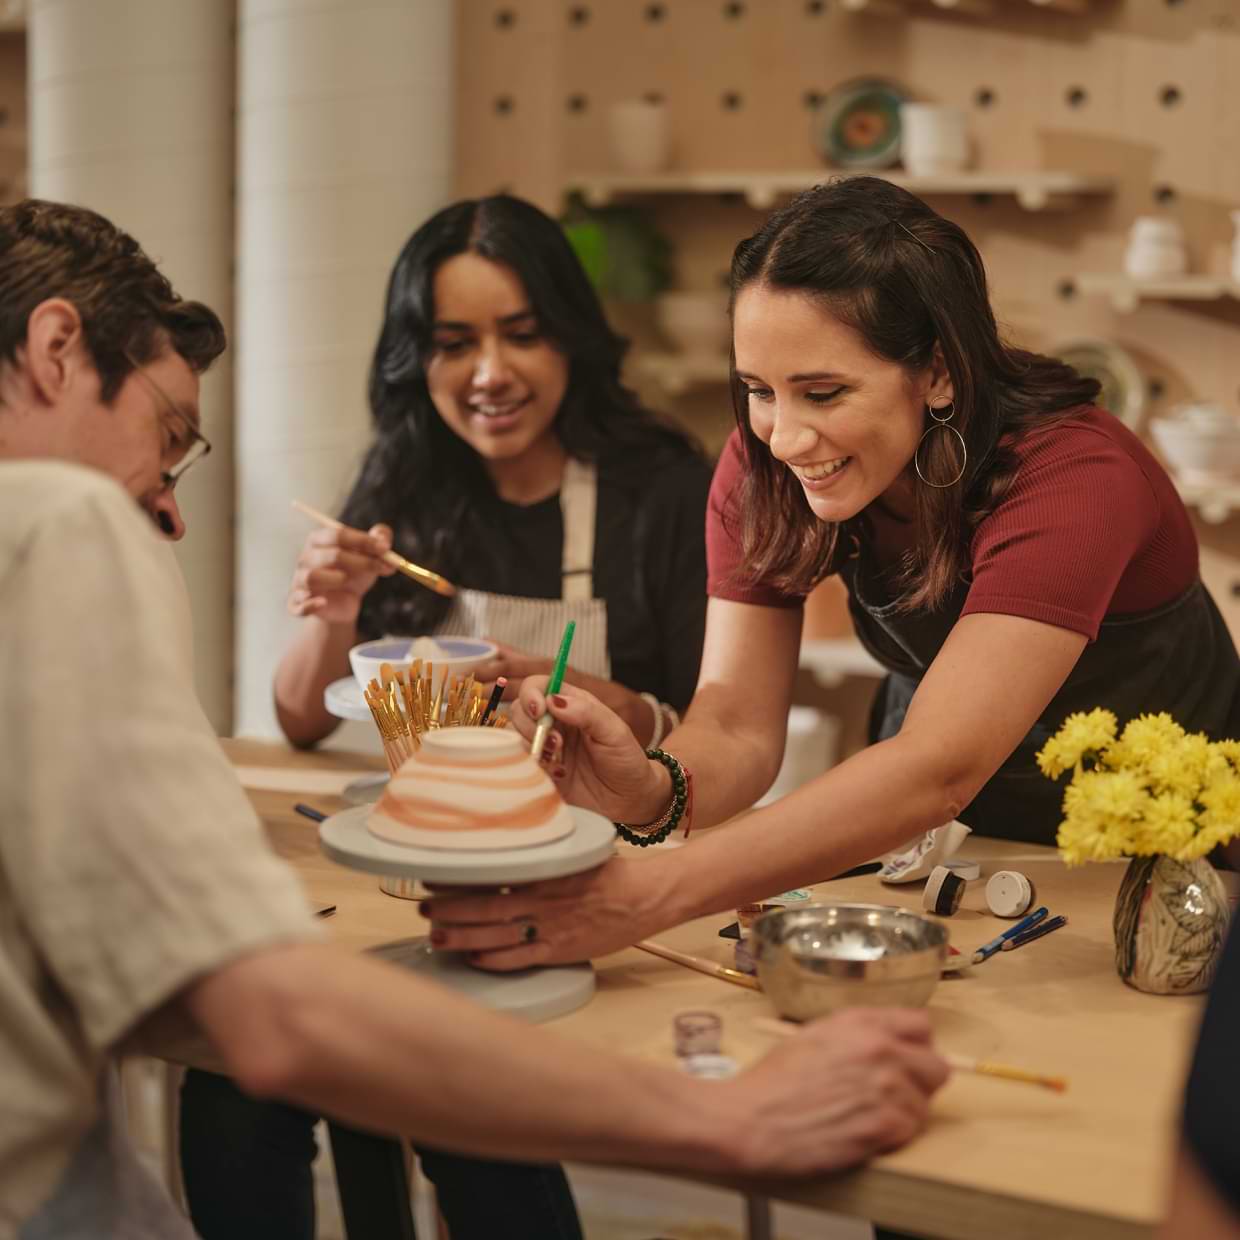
x: 858, y: 124
x: 1123, y: 385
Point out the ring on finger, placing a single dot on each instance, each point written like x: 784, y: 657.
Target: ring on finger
x: 529, y: 932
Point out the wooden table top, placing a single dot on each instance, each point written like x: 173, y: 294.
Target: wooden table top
x: 999, y: 1159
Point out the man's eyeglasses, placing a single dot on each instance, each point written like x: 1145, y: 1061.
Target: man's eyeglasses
x: 187, y: 443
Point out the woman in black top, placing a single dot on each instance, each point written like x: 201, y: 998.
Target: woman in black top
x: 509, y: 457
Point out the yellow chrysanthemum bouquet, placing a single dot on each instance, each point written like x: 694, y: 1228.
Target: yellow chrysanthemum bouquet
x: 1152, y: 790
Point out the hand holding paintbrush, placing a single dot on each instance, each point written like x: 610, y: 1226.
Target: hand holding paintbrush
x: 348, y: 561
x: 553, y: 687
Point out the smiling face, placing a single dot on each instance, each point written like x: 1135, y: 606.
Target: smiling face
x: 845, y: 421
x: 494, y: 378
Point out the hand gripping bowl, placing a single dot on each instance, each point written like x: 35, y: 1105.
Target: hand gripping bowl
x: 817, y: 959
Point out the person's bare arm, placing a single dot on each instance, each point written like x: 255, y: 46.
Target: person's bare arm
x: 317, y: 655
x: 990, y: 682
x: 334, y: 571
x: 368, y: 1044
x: 735, y: 729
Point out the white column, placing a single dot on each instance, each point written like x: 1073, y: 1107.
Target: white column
x: 345, y: 146
x: 131, y: 107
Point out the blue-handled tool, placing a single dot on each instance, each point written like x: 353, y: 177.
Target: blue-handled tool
x: 988, y: 949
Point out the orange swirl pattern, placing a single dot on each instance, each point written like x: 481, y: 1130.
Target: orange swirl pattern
x: 436, y: 816
x: 469, y: 788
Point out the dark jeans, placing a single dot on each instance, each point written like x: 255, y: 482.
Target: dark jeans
x: 247, y: 1170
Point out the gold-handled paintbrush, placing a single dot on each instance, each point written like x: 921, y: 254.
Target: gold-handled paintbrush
x: 959, y: 1063
x: 709, y: 967
x: 423, y: 576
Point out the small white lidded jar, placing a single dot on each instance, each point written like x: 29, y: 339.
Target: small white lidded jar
x: 1009, y: 894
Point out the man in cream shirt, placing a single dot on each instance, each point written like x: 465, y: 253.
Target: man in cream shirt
x: 135, y: 881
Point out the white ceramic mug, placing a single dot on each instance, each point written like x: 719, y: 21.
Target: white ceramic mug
x: 641, y: 136
x: 934, y: 138
x: 1155, y: 248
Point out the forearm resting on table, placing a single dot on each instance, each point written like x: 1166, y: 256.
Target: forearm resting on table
x: 318, y: 655
x: 374, y: 1046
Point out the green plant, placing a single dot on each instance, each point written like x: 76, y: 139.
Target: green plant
x: 625, y: 256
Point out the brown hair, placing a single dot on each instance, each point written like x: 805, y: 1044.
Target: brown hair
x: 128, y: 308
x: 880, y: 261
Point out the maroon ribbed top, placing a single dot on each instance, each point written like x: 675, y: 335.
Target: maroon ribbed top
x: 1091, y: 526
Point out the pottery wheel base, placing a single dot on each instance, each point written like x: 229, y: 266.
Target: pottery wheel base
x: 535, y: 995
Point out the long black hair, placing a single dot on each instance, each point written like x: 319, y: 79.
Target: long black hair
x: 882, y: 262
x: 420, y: 477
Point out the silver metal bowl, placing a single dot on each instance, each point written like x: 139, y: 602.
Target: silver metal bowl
x: 820, y: 958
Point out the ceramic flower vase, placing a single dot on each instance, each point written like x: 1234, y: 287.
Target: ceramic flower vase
x: 1170, y: 921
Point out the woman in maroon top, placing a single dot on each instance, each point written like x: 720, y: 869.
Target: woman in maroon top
x: 1011, y: 553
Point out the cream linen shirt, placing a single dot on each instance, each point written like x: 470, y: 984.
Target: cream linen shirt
x: 131, y: 861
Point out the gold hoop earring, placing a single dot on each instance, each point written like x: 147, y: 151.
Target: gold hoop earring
x: 941, y: 423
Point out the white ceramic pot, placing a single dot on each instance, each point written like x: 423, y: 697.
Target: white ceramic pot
x: 1199, y: 452
x: 641, y: 136
x: 934, y: 138
x: 697, y: 324
x: 1156, y: 249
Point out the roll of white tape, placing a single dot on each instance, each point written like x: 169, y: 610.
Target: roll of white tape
x: 968, y: 870
x: 943, y: 893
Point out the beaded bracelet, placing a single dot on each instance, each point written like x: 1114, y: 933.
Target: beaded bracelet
x: 656, y: 832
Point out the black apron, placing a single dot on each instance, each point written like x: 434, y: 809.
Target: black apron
x: 1178, y: 658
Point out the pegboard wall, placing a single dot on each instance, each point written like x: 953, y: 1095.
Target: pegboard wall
x: 1137, y: 91
x: 1141, y: 92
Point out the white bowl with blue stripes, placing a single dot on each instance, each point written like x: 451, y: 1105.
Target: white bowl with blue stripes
x: 461, y: 655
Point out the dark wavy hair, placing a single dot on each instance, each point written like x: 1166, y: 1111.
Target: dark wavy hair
x: 880, y: 261
x: 130, y: 312
x: 421, y: 478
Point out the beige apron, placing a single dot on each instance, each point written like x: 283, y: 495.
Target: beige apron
x: 536, y: 625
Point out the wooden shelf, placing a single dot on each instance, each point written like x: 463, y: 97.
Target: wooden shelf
x: 676, y: 373
x: 1126, y: 294
x: 971, y: 8
x: 1035, y: 191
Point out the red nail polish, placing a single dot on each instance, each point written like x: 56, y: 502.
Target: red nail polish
x: 559, y: 701
x: 438, y: 938
x: 558, y: 773
x: 531, y: 710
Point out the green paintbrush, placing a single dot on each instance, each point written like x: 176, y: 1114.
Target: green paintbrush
x: 553, y: 686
